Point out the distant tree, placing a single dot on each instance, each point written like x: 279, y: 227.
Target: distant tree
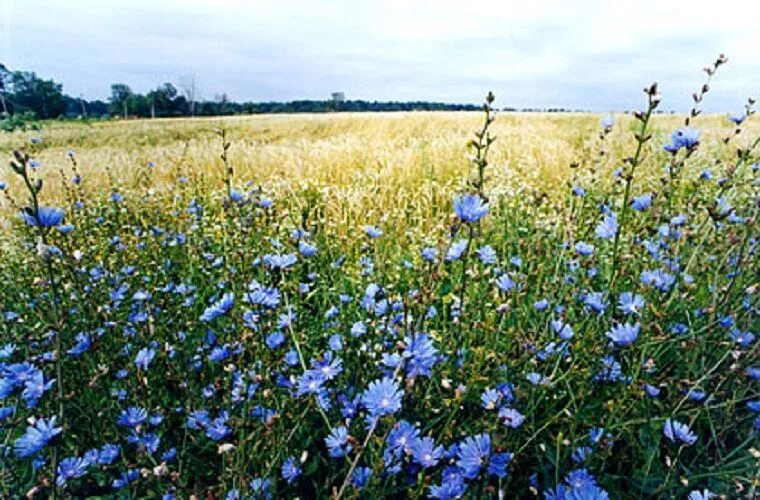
x: 120, y: 94
x: 24, y: 92
x: 180, y: 106
x: 75, y: 106
x: 28, y: 93
x: 138, y: 105
x: 221, y: 101
x: 161, y: 100
x: 336, y: 100
x: 189, y: 89
x: 98, y: 108
x: 165, y: 100
x: 72, y: 107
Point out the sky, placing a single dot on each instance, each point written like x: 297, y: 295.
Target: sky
x: 594, y: 55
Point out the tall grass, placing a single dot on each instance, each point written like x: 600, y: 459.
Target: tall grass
x: 581, y: 324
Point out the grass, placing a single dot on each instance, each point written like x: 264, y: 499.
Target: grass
x: 129, y: 308
x: 398, y: 166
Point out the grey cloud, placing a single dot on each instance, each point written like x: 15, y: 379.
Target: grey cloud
x: 262, y: 54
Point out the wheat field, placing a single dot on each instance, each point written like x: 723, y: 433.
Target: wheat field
x: 390, y: 166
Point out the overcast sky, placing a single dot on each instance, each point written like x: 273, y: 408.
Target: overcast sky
x: 532, y: 53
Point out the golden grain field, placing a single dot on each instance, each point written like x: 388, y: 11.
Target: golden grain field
x: 397, y: 166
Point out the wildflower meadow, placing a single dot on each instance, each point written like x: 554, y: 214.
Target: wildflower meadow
x: 419, y: 305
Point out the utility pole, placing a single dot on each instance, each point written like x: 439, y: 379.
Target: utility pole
x: 81, y: 102
x: 188, y: 86
x: 3, y: 73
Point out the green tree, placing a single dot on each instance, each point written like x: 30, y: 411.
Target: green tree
x: 119, y: 100
x: 30, y: 93
x: 165, y: 101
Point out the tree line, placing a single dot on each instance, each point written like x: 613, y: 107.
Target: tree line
x: 25, y: 93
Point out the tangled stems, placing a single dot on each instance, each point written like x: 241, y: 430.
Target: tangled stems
x: 741, y: 253
x: 58, y: 361
x: 302, y: 361
x: 20, y: 166
x: 642, y: 137
x: 463, y: 277
x: 355, y: 462
x: 712, y: 214
x: 360, y: 452
x: 683, y: 400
